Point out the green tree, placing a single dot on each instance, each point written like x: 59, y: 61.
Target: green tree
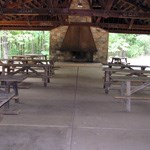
x: 25, y: 42
x: 129, y: 45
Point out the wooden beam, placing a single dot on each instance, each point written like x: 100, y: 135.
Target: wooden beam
x: 128, y: 31
x: 108, y: 6
x: 28, y: 28
x: 56, y: 23
x: 137, y: 5
x: 77, y: 12
x: 35, y: 28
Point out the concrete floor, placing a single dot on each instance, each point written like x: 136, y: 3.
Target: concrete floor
x: 73, y: 113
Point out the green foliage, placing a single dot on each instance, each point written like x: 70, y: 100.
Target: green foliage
x: 26, y: 42
x: 130, y: 45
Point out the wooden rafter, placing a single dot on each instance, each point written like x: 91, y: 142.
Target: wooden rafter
x: 113, y: 15
x: 76, y: 12
x: 137, y: 5
x: 54, y: 23
x: 108, y: 6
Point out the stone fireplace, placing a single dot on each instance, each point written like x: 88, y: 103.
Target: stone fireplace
x: 79, y: 43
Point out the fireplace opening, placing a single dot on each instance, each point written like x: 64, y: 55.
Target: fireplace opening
x: 82, y: 56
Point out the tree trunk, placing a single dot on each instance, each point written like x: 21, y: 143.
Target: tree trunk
x: 0, y: 47
x: 49, y: 44
x: 5, y: 45
x: 43, y: 46
x: 32, y: 46
x: 38, y: 44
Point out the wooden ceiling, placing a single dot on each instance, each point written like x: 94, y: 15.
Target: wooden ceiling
x: 119, y: 16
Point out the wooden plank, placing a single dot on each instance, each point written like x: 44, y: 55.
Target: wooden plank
x: 131, y: 78
x: 140, y: 87
x: 128, y: 93
x: 125, y: 70
x: 76, y: 12
x: 132, y: 97
x: 123, y: 65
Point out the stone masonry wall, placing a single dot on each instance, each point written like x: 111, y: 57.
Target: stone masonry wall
x: 56, y: 38
x: 101, y: 41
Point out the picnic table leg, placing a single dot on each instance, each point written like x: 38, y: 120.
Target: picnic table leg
x: 123, y: 87
x: 104, y: 80
x: 107, y: 81
x: 7, y: 90
x: 7, y: 87
x: 3, y: 70
x: 128, y: 94
x: 45, y: 77
x: 15, y: 87
x: 45, y: 81
x: 48, y: 74
x: 52, y: 68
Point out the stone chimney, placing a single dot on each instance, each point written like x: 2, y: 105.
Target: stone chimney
x: 75, y: 5
x: 100, y: 37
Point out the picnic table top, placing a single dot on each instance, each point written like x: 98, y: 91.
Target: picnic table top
x: 29, y: 55
x: 25, y: 65
x: 125, y: 70
x: 125, y: 65
x: 25, y: 60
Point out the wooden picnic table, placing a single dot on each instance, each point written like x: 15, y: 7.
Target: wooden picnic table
x: 127, y: 89
x: 8, y: 81
x: 31, y: 70
x: 27, y: 61
x: 125, y: 75
x: 124, y: 70
x: 119, y: 60
x: 39, y: 68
